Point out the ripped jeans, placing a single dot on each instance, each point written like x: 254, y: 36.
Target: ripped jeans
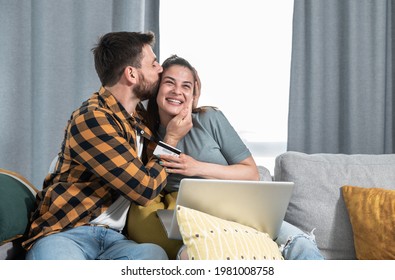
x: 295, y: 244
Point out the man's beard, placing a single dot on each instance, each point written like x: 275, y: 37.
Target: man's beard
x: 144, y: 90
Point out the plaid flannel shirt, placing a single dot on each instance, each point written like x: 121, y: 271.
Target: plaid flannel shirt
x: 97, y: 163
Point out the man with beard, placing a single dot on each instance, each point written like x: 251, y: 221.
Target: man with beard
x: 105, y: 162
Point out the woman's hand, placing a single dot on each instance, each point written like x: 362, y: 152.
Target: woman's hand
x: 188, y: 166
x: 183, y: 164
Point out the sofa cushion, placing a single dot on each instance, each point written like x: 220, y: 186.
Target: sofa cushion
x: 211, y: 238
x: 316, y: 201
x: 264, y: 173
x: 17, y: 198
x: 372, y: 216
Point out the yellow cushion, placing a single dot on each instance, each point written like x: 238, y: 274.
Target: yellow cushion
x: 211, y: 238
x: 372, y: 216
x: 144, y: 226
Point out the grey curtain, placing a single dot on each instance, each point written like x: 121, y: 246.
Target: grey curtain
x: 47, y: 70
x: 342, y: 77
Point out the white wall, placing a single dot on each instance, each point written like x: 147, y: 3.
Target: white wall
x: 242, y: 51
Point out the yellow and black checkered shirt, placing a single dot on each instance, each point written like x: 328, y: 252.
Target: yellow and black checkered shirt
x: 97, y: 163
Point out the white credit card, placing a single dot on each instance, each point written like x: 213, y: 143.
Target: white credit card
x: 165, y: 149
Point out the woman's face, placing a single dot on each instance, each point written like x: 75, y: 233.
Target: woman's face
x: 175, y: 91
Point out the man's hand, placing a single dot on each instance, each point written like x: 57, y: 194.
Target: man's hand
x: 196, y: 91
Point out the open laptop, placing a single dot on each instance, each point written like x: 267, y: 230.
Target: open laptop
x: 257, y: 204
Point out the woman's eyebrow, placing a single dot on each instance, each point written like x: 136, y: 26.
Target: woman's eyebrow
x: 173, y: 79
x: 187, y: 82
x: 168, y: 77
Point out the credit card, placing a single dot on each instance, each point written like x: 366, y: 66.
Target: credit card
x: 165, y: 149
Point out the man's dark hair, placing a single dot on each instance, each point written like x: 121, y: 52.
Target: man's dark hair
x: 117, y: 50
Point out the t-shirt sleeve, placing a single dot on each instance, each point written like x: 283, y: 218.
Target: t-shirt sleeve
x: 231, y: 145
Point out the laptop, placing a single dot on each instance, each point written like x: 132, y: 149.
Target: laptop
x: 257, y: 204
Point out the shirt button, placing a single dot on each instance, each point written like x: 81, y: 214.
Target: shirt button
x: 141, y: 132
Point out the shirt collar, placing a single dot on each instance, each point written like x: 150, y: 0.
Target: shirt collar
x: 111, y: 102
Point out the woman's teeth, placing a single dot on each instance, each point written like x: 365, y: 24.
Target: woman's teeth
x: 174, y: 101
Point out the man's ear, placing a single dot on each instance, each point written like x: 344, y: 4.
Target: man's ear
x: 131, y: 74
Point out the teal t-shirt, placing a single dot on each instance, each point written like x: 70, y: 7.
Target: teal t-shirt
x: 211, y: 139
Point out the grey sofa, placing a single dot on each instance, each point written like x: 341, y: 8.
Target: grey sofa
x: 317, y: 200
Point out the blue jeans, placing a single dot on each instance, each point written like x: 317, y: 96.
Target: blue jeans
x: 92, y: 243
x: 296, y: 244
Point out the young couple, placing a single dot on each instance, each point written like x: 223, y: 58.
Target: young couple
x: 106, y: 159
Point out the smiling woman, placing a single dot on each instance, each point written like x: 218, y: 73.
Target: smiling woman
x: 242, y: 52
x: 176, y: 90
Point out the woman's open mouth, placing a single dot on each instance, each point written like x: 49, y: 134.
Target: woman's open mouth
x: 174, y: 101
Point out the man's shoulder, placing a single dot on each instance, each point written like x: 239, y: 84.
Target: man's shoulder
x: 92, y: 104
x: 90, y: 112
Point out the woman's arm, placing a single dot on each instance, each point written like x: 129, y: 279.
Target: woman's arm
x: 188, y: 166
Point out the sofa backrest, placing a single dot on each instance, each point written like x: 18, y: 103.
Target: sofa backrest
x: 317, y: 200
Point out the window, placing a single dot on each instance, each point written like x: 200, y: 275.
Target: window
x: 242, y: 51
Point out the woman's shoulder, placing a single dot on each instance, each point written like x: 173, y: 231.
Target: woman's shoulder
x: 209, y: 114
x: 207, y: 111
